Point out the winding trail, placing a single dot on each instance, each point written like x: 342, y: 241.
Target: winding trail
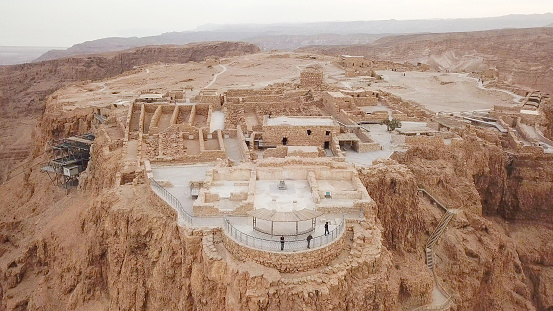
x: 516, y: 98
x: 215, y: 76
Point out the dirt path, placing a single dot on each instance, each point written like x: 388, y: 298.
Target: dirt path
x: 215, y: 76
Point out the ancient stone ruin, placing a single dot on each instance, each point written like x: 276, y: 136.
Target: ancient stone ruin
x: 216, y: 185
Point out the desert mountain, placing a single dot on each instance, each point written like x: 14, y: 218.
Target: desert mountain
x: 292, y: 36
x: 24, y: 88
x: 115, y: 243
x: 521, y: 56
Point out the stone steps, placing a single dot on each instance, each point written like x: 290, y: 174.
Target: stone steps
x: 429, y: 253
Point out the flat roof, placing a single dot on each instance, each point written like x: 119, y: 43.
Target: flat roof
x: 336, y: 94
x: 534, y: 112
x: 293, y: 216
x: 155, y: 96
x: 301, y: 121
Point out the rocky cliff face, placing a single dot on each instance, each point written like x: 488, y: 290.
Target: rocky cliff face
x: 119, y: 247
x: 25, y: 88
x: 487, y: 262
x: 475, y: 174
x: 547, y: 111
x: 394, y: 188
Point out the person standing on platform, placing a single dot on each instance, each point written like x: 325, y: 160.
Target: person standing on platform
x: 326, y: 228
x: 282, y: 243
x: 309, y: 238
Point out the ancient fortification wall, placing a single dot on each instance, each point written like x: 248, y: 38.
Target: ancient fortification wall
x: 289, y: 262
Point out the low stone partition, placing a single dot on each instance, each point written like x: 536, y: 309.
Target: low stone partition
x: 288, y: 262
x: 313, y: 186
x: 244, y: 150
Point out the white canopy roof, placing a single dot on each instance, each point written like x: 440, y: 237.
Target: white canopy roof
x: 272, y: 215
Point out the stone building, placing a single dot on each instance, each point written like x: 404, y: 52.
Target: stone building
x: 176, y: 95
x: 336, y: 101
x: 356, y: 65
x: 311, y: 77
x: 210, y: 96
x: 299, y: 131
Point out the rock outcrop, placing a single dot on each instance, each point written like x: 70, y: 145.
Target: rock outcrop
x: 394, y: 188
x: 488, y: 263
x: 24, y: 89
x: 477, y: 175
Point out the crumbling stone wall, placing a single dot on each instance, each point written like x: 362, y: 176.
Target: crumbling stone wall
x: 234, y: 115
x: 404, y: 110
x: 278, y: 152
x: 311, y: 78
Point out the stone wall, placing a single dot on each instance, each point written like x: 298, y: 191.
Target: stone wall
x: 311, y: 78
x: 278, y: 152
x: 244, y: 150
x: 305, y: 135
x: 405, y: 110
x: 288, y: 262
x: 335, y: 147
x: 285, y: 151
x: 365, y: 101
x: 234, y: 115
x: 376, y: 116
x: 334, y: 102
x: 303, y: 153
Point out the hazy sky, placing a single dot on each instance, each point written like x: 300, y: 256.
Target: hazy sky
x: 66, y: 22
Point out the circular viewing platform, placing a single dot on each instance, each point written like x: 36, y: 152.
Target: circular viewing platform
x: 293, y: 254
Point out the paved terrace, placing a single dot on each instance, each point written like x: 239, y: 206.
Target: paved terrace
x: 171, y: 183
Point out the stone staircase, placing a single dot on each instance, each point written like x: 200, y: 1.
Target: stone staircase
x: 442, y: 225
x: 429, y: 259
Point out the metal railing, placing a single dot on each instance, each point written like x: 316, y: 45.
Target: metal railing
x: 289, y: 245
x: 171, y: 200
x: 432, y: 198
x: 447, y: 302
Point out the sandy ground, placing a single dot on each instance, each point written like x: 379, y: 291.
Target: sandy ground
x: 232, y: 149
x: 260, y: 70
x: 127, y: 87
x: 256, y: 70
x: 442, y: 92
x: 217, y: 121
